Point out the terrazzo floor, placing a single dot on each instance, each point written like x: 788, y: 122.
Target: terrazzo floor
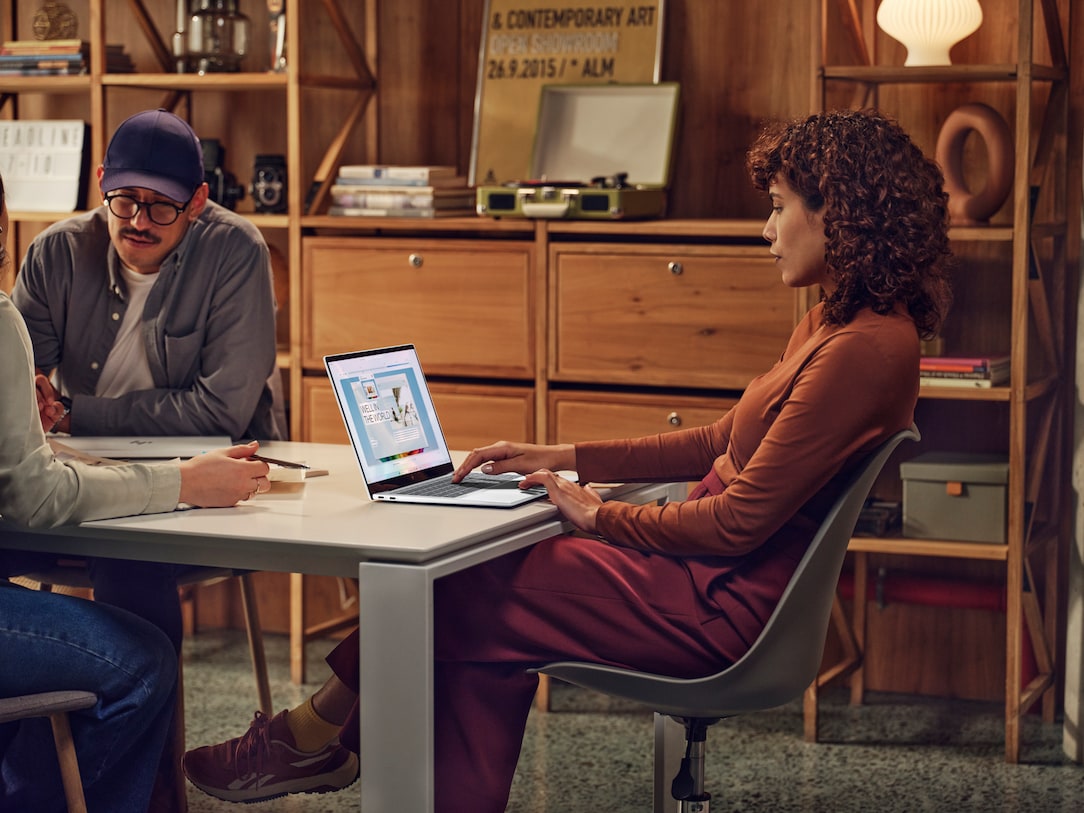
x: 591, y: 754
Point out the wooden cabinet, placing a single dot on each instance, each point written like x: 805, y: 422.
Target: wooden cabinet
x: 1015, y: 293
x: 468, y: 305
x: 527, y: 332
x: 577, y: 415
x: 665, y: 315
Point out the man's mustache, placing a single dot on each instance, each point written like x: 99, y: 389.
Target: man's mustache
x: 140, y: 235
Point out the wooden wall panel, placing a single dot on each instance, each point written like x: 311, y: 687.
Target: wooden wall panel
x: 736, y: 72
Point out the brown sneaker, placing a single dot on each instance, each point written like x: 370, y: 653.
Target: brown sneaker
x: 264, y: 763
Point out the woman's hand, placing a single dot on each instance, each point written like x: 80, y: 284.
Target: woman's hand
x: 521, y: 458
x: 578, y: 503
x: 223, y: 477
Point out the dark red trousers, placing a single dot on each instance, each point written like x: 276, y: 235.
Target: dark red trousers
x: 570, y: 598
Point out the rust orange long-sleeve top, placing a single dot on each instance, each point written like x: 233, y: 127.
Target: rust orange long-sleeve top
x: 781, y: 453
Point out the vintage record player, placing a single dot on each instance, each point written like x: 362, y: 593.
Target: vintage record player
x: 601, y: 152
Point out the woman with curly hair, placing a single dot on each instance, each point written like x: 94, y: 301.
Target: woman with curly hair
x: 681, y: 589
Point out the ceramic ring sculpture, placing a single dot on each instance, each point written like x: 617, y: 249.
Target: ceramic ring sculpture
x: 966, y: 206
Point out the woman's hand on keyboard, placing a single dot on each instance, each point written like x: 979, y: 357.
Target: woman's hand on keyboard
x: 578, y: 503
x: 520, y: 458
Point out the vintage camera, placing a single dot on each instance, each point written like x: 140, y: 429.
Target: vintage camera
x: 269, y: 183
x: 225, y: 190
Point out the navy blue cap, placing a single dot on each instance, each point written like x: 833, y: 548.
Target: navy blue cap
x: 154, y: 150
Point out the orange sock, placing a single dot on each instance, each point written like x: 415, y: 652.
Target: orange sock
x: 311, y: 731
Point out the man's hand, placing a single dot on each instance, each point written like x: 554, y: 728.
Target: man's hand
x: 51, y: 412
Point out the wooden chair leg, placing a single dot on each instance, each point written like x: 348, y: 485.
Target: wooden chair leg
x: 175, y: 749
x: 859, y: 616
x: 301, y: 632
x: 810, y: 709
x: 542, y: 694
x: 255, y: 643
x: 69, y: 764
x: 297, y: 628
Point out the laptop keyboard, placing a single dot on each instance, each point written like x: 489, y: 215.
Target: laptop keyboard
x: 471, y: 484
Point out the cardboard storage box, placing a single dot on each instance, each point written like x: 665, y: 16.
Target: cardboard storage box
x: 955, y: 496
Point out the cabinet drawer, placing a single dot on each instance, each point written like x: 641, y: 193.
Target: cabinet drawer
x: 684, y: 316
x: 470, y: 415
x: 467, y: 305
x: 576, y: 416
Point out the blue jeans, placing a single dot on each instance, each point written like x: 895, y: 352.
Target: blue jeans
x: 53, y: 642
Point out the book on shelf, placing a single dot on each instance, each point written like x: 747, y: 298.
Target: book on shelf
x: 439, y: 190
x: 62, y: 46
x: 358, y: 211
x: 68, y: 46
x: 964, y: 383
x: 449, y: 182
x: 40, y: 60
x: 965, y: 364
x: 46, y: 58
x: 997, y: 376
x: 71, y: 70
x: 392, y: 173
x: 390, y: 198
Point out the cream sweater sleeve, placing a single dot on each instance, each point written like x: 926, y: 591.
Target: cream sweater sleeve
x: 38, y: 491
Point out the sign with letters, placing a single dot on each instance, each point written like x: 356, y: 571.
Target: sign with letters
x: 43, y: 164
x: 530, y: 43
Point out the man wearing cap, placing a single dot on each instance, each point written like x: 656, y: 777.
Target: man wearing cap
x: 152, y: 314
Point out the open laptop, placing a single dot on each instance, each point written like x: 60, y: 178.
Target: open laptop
x: 397, y: 438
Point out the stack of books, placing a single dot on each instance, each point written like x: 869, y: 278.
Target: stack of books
x: 963, y: 371
x: 66, y: 57
x: 370, y: 190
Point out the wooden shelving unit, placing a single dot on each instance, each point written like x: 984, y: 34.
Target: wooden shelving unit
x: 330, y: 46
x: 1039, y: 249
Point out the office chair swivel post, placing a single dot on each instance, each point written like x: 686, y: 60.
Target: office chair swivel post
x: 688, y: 784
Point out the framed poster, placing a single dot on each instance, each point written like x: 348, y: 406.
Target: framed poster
x: 530, y: 43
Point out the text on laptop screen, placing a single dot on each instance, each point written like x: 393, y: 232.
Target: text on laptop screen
x: 389, y: 413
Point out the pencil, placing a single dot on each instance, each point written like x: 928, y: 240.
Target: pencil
x: 286, y: 464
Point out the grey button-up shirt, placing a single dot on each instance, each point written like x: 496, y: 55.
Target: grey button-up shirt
x: 208, y: 327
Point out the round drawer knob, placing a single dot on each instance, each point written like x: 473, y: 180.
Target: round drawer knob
x: 673, y: 419
x: 675, y: 268
x: 416, y: 260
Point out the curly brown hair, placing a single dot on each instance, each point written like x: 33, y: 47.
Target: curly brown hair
x: 884, y: 206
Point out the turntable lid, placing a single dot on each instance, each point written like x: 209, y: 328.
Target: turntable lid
x: 589, y: 130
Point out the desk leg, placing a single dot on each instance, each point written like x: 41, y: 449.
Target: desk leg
x: 395, y: 606
x: 669, y: 748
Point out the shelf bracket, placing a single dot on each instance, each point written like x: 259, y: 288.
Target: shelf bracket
x: 322, y: 181
x: 150, y: 31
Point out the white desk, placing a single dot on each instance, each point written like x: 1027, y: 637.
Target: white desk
x: 396, y: 551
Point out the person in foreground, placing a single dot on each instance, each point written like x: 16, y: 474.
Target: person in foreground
x: 681, y: 589
x: 55, y: 642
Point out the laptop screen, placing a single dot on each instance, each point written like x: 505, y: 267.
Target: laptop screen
x: 390, y: 416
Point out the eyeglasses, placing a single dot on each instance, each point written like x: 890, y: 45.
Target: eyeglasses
x: 159, y: 211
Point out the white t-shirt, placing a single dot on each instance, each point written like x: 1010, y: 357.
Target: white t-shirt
x: 127, y: 369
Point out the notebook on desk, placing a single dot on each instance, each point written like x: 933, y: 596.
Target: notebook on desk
x: 393, y: 427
